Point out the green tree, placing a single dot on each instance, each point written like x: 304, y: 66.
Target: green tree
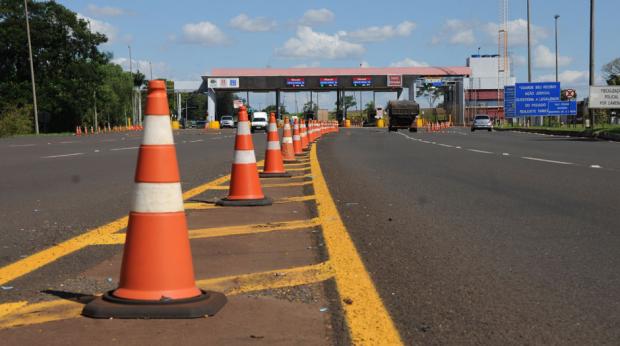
x: 65, y: 57
x: 371, y: 110
x: 310, y: 106
x: 431, y: 92
x: 347, y: 102
x: 611, y: 72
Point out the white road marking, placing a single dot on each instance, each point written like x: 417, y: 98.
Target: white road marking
x: 480, y: 151
x: 21, y: 145
x: 458, y: 147
x: 446, y: 145
x: 68, y: 142
x: 64, y: 155
x: 505, y: 154
x: 126, y: 148
x: 595, y: 166
x: 545, y: 160
x: 198, y: 140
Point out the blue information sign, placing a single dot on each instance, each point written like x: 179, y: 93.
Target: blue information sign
x: 509, y: 101
x: 362, y: 81
x: 532, y: 99
x: 562, y: 108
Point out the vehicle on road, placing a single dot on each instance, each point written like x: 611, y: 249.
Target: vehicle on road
x: 402, y: 115
x: 227, y: 121
x: 259, y: 121
x: 201, y: 124
x: 482, y: 122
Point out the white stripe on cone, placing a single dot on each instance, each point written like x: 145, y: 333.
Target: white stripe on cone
x: 273, y: 127
x: 296, y: 138
x: 157, y: 130
x: 275, y: 145
x: 157, y: 198
x: 287, y: 140
x: 244, y: 157
x: 243, y: 128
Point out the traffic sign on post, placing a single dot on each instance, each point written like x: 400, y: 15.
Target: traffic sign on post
x: 562, y: 108
x: 532, y: 99
x: 509, y: 101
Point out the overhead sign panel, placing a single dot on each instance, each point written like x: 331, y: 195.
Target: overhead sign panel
x: 604, y: 97
x: 395, y: 81
x: 562, y: 108
x: 362, y: 81
x: 217, y: 83
x: 295, y: 82
x: 532, y: 99
x: 327, y: 82
x: 509, y: 101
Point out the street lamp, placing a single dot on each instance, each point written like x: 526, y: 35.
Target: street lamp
x: 556, y: 46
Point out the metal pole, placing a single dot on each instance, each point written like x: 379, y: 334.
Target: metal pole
x: 529, y: 44
x: 556, y: 46
x: 34, y: 88
x: 592, y: 79
x: 151, y: 69
x: 133, y: 93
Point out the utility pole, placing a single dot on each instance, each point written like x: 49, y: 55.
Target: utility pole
x: 133, y: 94
x: 529, y: 44
x: 34, y: 88
x: 151, y: 69
x: 592, y: 79
x: 556, y: 46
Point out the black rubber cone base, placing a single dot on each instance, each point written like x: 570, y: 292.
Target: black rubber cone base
x: 225, y: 202
x: 275, y: 175
x: 109, y: 306
x: 291, y: 161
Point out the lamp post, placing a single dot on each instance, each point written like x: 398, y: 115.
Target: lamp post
x: 592, y: 3
x: 556, y: 46
x: 34, y: 88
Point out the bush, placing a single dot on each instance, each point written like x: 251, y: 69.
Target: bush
x: 16, y: 121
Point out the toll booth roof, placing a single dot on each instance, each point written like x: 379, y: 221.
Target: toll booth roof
x: 329, y: 71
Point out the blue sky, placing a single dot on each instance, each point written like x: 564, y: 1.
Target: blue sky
x: 186, y: 39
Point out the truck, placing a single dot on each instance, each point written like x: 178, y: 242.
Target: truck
x: 402, y: 115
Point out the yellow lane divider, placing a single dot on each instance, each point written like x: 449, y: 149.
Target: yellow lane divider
x: 205, y: 206
x: 228, y: 230
x: 368, y: 319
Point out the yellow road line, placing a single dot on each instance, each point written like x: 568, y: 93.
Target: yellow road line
x: 297, y: 169
x: 229, y: 230
x: 100, y: 235
x: 269, y: 280
x: 367, y: 317
x: 21, y: 313
x: 301, y: 183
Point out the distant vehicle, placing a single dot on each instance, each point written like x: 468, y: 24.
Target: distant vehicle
x: 227, y: 121
x: 402, y: 115
x: 482, y: 122
x: 200, y: 124
x: 259, y: 121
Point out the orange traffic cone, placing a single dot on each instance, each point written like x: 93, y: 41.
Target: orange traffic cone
x: 274, y: 165
x: 288, y: 151
x: 245, y: 188
x: 311, y: 131
x: 157, y: 274
x: 78, y: 131
x: 296, y: 139
x: 303, y: 134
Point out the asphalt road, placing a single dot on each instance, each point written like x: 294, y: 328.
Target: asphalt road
x: 56, y: 187
x: 484, y: 238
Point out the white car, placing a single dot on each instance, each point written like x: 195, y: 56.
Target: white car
x: 227, y: 121
x: 482, y: 122
x: 259, y: 121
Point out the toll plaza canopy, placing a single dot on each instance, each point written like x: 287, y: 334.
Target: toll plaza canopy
x: 323, y: 79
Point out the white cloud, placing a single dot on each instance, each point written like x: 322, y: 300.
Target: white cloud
x: 105, y: 11
x: 257, y: 24
x: 518, y: 60
x: 364, y: 64
x: 408, y: 62
x: 160, y: 69
x: 313, y: 64
x: 568, y: 78
x: 311, y: 44
x: 380, y: 33
x: 205, y: 33
x: 545, y: 58
x: 102, y: 27
x: 317, y: 16
x: 517, y: 32
x: 456, y: 31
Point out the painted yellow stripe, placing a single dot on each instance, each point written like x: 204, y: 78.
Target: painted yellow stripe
x: 367, y: 317
x: 212, y: 232
x: 297, y: 169
x: 21, y: 313
x: 301, y: 183
x: 100, y: 235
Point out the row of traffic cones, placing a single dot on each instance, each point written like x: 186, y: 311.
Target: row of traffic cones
x: 105, y: 129
x: 157, y: 276
x: 438, y: 126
